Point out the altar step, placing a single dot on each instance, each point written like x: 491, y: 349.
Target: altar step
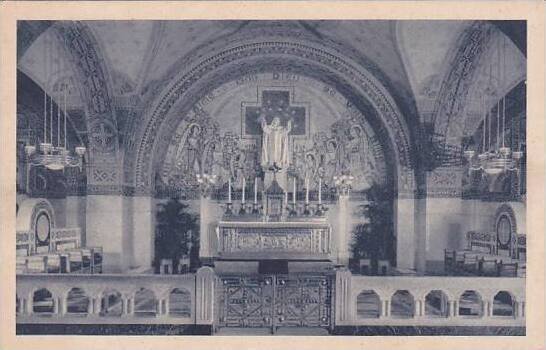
x: 282, y: 331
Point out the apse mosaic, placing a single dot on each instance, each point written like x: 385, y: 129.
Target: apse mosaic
x: 222, y: 134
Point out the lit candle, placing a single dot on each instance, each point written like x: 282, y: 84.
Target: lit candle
x: 294, y: 192
x: 244, y: 185
x: 306, y: 190
x: 229, y: 190
x: 319, y: 190
x: 255, y: 190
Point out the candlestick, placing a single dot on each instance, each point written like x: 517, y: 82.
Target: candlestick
x: 306, y: 190
x: 294, y: 192
x: 244, y: 185
x: 229, y: 190
x: 255, y: 190
x: 319, y: 190
x: 285, y: 198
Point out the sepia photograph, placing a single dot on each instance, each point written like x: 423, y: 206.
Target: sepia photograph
x: 266, y: 177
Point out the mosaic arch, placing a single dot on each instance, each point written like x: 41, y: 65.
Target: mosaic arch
x: 96, y: 90
x: 356, y: 85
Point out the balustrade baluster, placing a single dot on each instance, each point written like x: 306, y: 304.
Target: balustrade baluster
x: 452, y: 308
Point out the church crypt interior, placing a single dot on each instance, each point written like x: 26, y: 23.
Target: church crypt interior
x: 271, y: 177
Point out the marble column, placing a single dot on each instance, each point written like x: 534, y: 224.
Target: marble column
x: 343, y: 307
x: 343, y: 230
x: 406, y: 247
x: 204, y: 295
x: 143, y: 231
x: 205, y: 217
x: 452, y: 308
x: 105, y: 228
x: 75, y: 214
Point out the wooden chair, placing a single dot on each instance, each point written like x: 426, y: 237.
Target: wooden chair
x: 53, y: 263
x: 383, y: 267
x: 21, y: 264
x: 449, y: 261
x: 487, y: 267
x: 184, y: 264
x: 97, y: 260
x: 166, y: 267
x: 87, y: 260
x: 365, y: 266
x: 459, y: 261
x: 471, y: 264
x: 36, y: 264
x: 507, y: 270
x: 75, y: 260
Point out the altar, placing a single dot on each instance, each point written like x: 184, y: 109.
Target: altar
x: 307, y: 240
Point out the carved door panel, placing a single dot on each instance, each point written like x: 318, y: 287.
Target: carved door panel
x: 303, y: 301
x: 274, y: 301
x: 246, y: 301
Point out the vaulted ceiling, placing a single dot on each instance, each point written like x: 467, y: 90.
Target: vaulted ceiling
x: 411, y: 58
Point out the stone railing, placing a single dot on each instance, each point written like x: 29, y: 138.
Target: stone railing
x: 274, y: 239
x: 139, y: 299
x: 459, y: 301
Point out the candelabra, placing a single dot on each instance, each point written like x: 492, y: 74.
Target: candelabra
x: 206, y: 183
x: 343, y: 184
x: 499, y: 158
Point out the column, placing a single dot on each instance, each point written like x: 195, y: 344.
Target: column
x: 404, y: 228
x: 452, y: 308
x: 125, y: 306
x: 205, y: 217
x: 343, y: 308
x: 143, y: 231
x: 75, y: 214
x: 56, y: 306
x: 96, y: 305
x: 24, y: 306
x: 488, y: 311
x: 385, y: 308
x: 131, y: 306
x: 204, y: 295
x: 520, y: 309
x: 343, y: 230
x: 105, y: 228
x: 418, y: 312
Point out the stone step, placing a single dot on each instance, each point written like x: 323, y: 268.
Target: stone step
x: 307, y: 331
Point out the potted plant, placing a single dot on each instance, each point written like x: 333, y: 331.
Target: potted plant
x: 177, y: 233
x: 373, y: 239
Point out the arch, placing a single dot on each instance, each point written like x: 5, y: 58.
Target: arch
x: 43, y: 302
x: 111, y: 303
x: 356, y: 84
x: 146, y: 303
x: 180, y: 302
x: 457, y: 80
x: 503, y: 304
x: 368, y: 304
x: 436, y: 304
x: 77, y: 301
x: 471, y: 304
x: 29, y: 210
x: 402, y: 304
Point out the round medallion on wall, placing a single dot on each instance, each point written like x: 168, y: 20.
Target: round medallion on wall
x: 43, y: 229
x: 504, y: 231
